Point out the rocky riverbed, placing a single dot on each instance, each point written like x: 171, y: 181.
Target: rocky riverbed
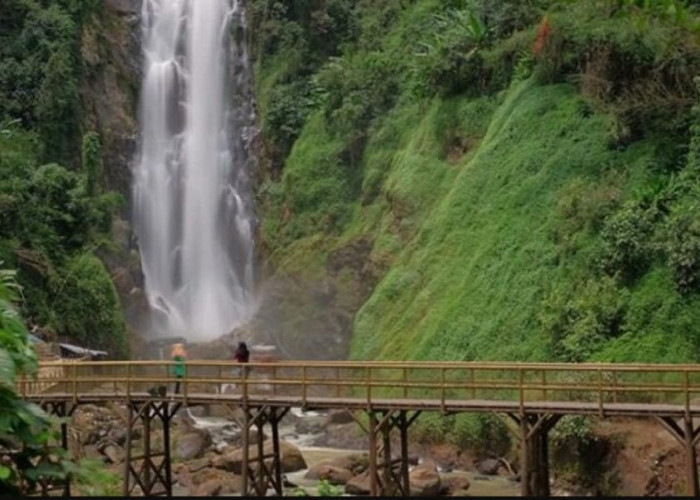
x: 325, y: 449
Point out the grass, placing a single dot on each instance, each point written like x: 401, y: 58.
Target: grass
x: 485, y: 209
x: 483, y: 258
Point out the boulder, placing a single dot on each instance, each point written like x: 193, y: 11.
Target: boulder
x: 190, y: 446
x: 310, y: 425
x: 488, y: 467
x: 425, y: 480
x: 118, y: 435
x: 210, y: 488
x: 114, y: 453
x: 341, y: 417
x: 331, y: 473
x: 356, y: 464
x: 184, y: 477
x: 358, y: 485
x: 291, y: 457
x: 455, y: 485
x: 228, y: 483
x: 198, y: 464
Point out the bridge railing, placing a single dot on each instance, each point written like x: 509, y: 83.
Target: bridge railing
x: 436, y: 382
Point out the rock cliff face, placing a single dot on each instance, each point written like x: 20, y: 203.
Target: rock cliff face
x: 111, y: 52
x: 112, y: 67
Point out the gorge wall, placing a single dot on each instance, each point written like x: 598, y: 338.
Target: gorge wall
x: 480, y: 181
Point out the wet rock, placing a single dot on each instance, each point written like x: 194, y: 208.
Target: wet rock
x: 331, y: 473
x: 425, y: 480
x: 191, y: 446
x: 358, y: 485
x: 291, y: 457
x: 488, y: 467
x: 341, y: 417
x: 310, y: 425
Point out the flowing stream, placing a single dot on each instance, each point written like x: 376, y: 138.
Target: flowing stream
x: 192, y: 211
x: 222, y: 429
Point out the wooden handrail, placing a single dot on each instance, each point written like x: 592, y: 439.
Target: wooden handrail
x: 370, y: 381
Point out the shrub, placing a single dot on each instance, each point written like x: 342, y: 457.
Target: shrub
x: 27, y: 433
x: 579, y: 325
x: 87, y: 306
x: 627, y: 240
x: 682, y: 246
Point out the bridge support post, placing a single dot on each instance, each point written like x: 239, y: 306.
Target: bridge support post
x: 266, y: 470
x: 64, y: 410
x: 534, y: 466
x: 150, y: 471
x: 394, y: 479
x: 687, y: 435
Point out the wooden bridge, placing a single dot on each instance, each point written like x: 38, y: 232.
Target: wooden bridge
x: 383, y: 396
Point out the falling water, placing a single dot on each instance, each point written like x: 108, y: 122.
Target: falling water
x: 192, y: 213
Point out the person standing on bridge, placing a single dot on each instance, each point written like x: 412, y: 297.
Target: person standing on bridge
x: 179, y: 356
x: 242, y: 355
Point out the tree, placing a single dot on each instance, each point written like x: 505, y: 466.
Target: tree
x: 27, y: 454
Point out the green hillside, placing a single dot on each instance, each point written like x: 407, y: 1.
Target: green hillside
x: 521, y: 171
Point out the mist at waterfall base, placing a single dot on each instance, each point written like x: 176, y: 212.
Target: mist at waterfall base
x: 191, y: 206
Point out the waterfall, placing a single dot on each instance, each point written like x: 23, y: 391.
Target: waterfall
x: 192, y: 211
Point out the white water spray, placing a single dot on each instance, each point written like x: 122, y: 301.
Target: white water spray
x: 192, y: 211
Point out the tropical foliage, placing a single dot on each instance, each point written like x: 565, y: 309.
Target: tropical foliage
x: 525, y: 173
x: 53, y: 214
x: 27, y: 434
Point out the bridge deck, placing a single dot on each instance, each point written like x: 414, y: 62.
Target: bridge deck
x: 449, y: 406
x: 588, y: 389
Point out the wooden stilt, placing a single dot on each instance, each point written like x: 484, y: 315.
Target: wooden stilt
x: 534, y: 466
x: 373, y: 489
x: 167, y: 417
x: 277, y: 460
x: 687, y: 436
x: 127, y: 455
x: 403, y: 431
x: 245, y: 435
x: 151, y: 471
x: 62, y: 410
x: 691, y: 488
x: 387, y: 484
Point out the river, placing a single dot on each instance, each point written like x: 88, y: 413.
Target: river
x: 220, y: 428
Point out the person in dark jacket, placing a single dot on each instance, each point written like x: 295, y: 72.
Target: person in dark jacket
x: 242, y: 354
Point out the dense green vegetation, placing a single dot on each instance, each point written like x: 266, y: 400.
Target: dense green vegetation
x: 24, y: 427
x: 53, y: 215
x: 26, y: 431
x: 522, y: 169
x: 526, y: 171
